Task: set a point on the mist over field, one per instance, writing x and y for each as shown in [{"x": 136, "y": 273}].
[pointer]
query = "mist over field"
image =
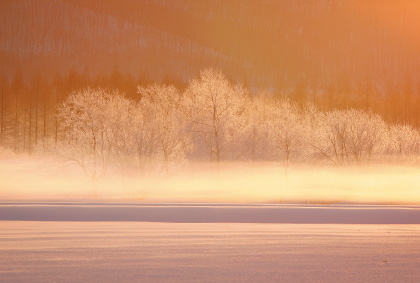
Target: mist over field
[
  {"x": 40, "y": 181},
  {"x": 209, "y": 141},
  {"x": 152, "y": 90}
]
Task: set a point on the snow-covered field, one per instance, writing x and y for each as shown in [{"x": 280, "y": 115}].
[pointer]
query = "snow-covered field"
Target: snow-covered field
[
  {"x": 65, "y": 250},
  {"x": 57, "y": 225}
]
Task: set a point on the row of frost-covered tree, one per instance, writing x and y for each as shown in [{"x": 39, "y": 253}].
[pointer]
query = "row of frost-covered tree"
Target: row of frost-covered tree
[
  {"x": 215, "y": 120},
  {"x": 28, "y": 109}
]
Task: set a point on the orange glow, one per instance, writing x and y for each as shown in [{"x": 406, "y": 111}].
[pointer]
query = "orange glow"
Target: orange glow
[{"x": 336, "y": 55}]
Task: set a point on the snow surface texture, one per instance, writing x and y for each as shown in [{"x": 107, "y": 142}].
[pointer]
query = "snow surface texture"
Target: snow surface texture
[{"x": 180, "y": 252}]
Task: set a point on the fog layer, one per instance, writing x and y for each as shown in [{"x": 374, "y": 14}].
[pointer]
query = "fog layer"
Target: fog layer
[{"x": 29, "y": 179}]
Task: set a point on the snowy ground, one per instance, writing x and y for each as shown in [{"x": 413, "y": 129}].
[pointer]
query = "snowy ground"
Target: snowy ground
[{"x": 137, "y": 251}]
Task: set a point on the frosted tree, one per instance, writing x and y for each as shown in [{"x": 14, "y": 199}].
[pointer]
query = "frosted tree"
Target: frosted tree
[
  {"x": 252, "y": 140},
  {"x": 404, "y": 142},
  {"x": 212, "y": 103},
  {"x": 343, "y": 136},
  {"x": 287, "y": 130},
  {"x": 86, "y": 116},
  {"x": 367, "y": 135},
  {"x": 119, "y": 126},
  {"x": 104, "y": 128},
  {"x": 141, "y": 145},
  {"x": 162, "y": 106}
]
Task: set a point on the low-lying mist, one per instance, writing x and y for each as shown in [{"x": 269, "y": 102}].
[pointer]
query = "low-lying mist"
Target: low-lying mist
[
  {"x": 33, "y": 179},
  {"x": 214, "y": 142}
]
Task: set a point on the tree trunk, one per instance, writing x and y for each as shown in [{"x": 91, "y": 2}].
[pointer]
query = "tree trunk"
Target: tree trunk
[
  {"x": 36, "y": 115},
  {"x": 16, "y": 128},
  {"x": 30, "y": 124},
  {"x": 2, "y": 114},
  {"x": 45, "y": 119},
  {"x": 56, "y": 115}
]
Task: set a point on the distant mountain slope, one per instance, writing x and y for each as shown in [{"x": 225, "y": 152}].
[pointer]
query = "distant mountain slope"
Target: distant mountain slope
[
  {"x": 62, "y": 35},
  {"x": 264, "y": 42}
]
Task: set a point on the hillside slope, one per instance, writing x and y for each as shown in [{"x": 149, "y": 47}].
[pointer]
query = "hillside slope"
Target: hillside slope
[{"x": 260, "y": 42}]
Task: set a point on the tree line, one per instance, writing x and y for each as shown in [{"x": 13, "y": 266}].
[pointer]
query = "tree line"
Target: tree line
[
  {"x": 213, "y": 120},
  {"x": 29, "y": 115}
]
